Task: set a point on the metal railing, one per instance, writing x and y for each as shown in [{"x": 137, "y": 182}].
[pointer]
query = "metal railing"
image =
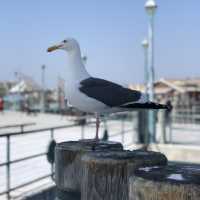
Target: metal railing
[
  {"x": 21, "y": 126},
  {"x": 121, "y": 131},
  {"x": 51, "y": 131},
  {"x": 181, "y": 126}
]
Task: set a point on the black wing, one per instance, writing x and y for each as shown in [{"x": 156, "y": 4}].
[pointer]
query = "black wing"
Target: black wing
[{"x": 109, "y": 93}]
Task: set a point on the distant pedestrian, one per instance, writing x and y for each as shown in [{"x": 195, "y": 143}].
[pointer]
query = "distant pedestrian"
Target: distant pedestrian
[
  {"x": 168, "y": 121},
  {"x": 1, "y": 105},
  {"x": 25, "y": 107},
  {"x": 168, "y": 113}
]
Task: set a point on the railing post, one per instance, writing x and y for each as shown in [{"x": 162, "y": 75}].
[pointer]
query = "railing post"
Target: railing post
[
  {"x": 82, "y": 131},
  {"x": 22, "y": 128},
  {"x": 52, "y": 134},
  {"x": 170, "y": 130},
  {"x": 8, "y": 166},
  {"x": 135, "y": 121},
  {"x": 163, "y": 125},
  {"x": 52, "y": 165},
  {"x": 122, "y": 129}
]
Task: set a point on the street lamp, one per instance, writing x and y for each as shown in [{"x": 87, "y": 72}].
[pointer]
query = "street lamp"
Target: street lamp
[
  {"x": 144, "y": 114},
  {"x": 151, "y": 7},
  {"x": 43, "y": 67},
  {"x": 145, "y": 45}
]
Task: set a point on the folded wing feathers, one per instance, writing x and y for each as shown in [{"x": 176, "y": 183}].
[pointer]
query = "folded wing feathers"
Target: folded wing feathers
[
  {"x": 115, "y": 95},
  {"x": 109, "y": 93}
]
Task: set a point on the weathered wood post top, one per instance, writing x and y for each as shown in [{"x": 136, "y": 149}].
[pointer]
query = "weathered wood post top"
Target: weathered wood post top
[
  {"x": 68, "y": 167},
  {"x": 172, "y": 182},
  {"x": 106, "y": 174}
]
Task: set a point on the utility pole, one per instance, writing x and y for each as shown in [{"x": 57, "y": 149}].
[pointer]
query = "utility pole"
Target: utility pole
[
  {"x": 145, "y": 45},
  {"x": 151, "y": 7},
  {"x": 144, "y": 127}
]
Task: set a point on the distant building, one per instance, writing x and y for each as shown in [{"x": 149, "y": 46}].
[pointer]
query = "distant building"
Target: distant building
[
  {"x": 25, "y": 86},
  {"x": 184, "y": 94},
  {"x": 5, "y": 86},
  {"x": 25, "y": 91}
]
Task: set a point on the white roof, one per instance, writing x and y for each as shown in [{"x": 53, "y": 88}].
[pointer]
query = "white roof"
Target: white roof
[{"x": 25, "y": 86}]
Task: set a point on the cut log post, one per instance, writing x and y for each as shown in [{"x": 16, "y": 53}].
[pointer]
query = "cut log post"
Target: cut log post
[
  {"x": 106, "y": 175},
  {"x": 174, "y": 182},
  {"x": 68, "y": 167}
]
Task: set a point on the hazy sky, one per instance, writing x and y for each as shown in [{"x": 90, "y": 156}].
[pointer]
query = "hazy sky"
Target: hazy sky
[{"x": 109, "y": 32}]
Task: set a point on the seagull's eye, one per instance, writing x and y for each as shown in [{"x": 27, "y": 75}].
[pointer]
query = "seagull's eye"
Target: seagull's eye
[{"x": 65, "y": 41}]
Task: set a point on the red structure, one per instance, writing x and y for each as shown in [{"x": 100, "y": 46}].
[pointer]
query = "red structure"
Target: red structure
[{"x": 1, "y": 104}]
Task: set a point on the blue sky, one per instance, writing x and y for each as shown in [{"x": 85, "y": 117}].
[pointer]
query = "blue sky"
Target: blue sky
[{"x": 109, "y": 33}]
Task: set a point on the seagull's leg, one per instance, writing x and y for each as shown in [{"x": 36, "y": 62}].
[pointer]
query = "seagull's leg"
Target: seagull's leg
[{"x": 97, "y": 127}]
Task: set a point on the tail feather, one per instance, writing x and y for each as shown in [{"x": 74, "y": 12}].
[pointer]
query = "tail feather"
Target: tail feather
[{"x": 148, "y": 105}]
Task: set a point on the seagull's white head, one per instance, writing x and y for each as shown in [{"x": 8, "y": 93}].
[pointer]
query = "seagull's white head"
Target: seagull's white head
[{"x": 68, "y": 44}]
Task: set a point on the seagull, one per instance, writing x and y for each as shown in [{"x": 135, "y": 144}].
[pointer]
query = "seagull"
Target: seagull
[{"x": 96, "y": 95}]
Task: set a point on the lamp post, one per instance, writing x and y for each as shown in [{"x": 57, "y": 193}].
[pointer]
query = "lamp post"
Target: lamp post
[
  {"x": 43, "y": 67},
  {"x": 145, "y": 45},
  {"x": 84, "y": 59},
  {"x": 144, "y": 129},
  {"x": 151, "y": 7}
]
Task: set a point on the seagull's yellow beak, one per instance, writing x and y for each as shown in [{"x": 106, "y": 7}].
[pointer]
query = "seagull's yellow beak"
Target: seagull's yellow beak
[{"x": 53, "y": 48}]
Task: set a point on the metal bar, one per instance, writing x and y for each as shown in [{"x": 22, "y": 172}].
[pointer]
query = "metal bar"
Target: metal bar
[
  {"x": 3, "y": 193},
  {"x": 37, "y": 130},
  {"x": 185, "y": 129},
  {"x": 28, "y": 183},
  {"x": 8, "y": 167},
  {"x": 16, "y": 125},
  {"x": 23, "y": 159},
  {"x": 119, "y": 133},
  {"x": 25, "y": 184},
  {"x": 43, "y": 130}
]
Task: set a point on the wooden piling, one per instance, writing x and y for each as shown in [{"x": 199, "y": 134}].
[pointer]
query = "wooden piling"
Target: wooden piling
[
  {"x": 68, "y": 166},
  {"x": 106, "y": 174},
  {"x": 173, "y": 182}
]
